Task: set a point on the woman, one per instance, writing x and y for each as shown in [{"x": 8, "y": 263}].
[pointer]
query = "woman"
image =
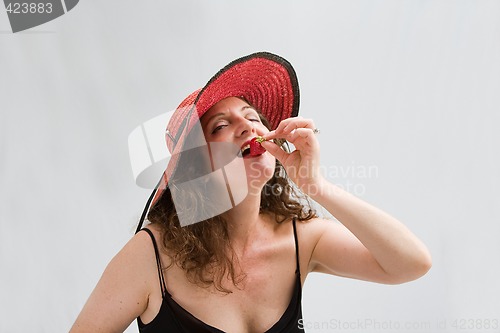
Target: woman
[{"x": 203, "y": 265}]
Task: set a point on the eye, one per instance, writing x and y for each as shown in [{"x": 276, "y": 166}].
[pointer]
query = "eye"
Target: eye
[
  {"x": 254, "y": 119},
  {"x": 218, "y": 128}
]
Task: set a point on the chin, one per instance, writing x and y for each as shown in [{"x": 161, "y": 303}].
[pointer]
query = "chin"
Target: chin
[
  {"x": 248, "y": 175},
  {"x": 260, "y": 169}
]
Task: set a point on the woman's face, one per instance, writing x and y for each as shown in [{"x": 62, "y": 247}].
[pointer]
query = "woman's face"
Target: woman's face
[{"x": 232, "y": 120}]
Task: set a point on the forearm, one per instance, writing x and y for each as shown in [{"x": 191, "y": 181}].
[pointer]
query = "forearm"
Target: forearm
[{"x": 395, "y": 248}]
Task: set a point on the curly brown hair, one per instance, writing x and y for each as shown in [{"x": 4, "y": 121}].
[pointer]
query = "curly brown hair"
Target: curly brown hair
[{"x": 203, "y": 249}]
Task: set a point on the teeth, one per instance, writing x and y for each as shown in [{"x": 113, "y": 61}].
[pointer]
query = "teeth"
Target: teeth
[{"x": 245, "y": 147}]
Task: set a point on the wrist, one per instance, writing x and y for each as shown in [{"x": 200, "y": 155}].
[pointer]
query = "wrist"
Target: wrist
[
  {"x": 324, "y": 191},
  {"x": 316, "y": 187}
]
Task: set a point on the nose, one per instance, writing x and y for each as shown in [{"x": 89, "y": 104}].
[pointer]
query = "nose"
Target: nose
[{"x": 244, "y": 127}]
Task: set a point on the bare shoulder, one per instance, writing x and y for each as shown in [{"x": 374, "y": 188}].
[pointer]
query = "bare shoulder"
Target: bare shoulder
[
  {"x": 142, "y": 245},
  {"x": 308, "y": 234},
  {"x": 122, "y": 293},
  {"x": 311, "y": 230},
  {"x": 133, "y": 265},
  {"x": 315, "y": 225},
  {"x": 139, "y": 249}
]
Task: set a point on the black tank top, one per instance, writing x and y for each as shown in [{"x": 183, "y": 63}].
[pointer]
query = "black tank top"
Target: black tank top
[{"x": 173, "y": 318}]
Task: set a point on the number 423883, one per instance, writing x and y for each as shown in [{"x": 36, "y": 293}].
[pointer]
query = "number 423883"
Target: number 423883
[{"x": 29, "y": 8}]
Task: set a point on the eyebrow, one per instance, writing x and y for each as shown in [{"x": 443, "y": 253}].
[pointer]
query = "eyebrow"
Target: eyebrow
[{"x": 223, "y": 113}]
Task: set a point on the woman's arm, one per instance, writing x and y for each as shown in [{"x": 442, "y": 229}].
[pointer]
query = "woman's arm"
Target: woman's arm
[
  {"x": 121, "y": 295},
  {"x": 370, "y": 244},
  {"x": 383, "y": 249}
]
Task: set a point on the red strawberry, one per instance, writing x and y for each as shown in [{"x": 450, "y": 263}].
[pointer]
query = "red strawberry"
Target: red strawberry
[{"x": 256, "y": 148}]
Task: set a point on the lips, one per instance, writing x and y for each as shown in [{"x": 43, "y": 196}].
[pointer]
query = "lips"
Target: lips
[{"x": 245, "y": 148}]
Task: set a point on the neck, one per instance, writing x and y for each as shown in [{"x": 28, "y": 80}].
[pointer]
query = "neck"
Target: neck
[{"x": 243, "y": 222}]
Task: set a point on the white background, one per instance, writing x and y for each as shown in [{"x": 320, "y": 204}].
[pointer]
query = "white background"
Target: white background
[{"x": 409, "y": 88}]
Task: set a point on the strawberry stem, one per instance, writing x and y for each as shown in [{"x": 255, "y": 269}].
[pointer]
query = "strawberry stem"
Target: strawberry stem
[{"x": 259, "y": 139}]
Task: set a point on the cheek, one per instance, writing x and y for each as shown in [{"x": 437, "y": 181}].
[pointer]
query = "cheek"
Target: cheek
[{"x": 221, "y": 136}]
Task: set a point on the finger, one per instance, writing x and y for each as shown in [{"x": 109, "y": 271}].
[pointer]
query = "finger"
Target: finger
[
  {"x": 295, "y": 124},
  {"x": 302, "y": 137},
  {"x": 304, "y": 133},
  {"x": 275, "y": 150},
  {"x": 270, "y": 135},
  {"x": 288, "y": 125},
  {"x": 282, "y": 125}
]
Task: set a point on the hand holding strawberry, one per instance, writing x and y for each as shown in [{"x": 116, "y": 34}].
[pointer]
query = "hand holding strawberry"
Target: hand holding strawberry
[{"x": 302, "y": 164}]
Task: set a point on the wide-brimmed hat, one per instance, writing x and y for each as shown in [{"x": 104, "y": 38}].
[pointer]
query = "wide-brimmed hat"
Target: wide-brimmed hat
[{"x": 265, "y": 80}]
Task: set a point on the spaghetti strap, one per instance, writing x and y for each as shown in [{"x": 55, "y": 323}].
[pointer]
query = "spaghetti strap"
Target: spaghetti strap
[
  {"x": 163, "y": 286},
  {"x": 296, "y": 246}
]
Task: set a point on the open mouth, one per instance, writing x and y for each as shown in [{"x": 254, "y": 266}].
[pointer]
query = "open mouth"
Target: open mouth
[{"x": 245, "y": 150}]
